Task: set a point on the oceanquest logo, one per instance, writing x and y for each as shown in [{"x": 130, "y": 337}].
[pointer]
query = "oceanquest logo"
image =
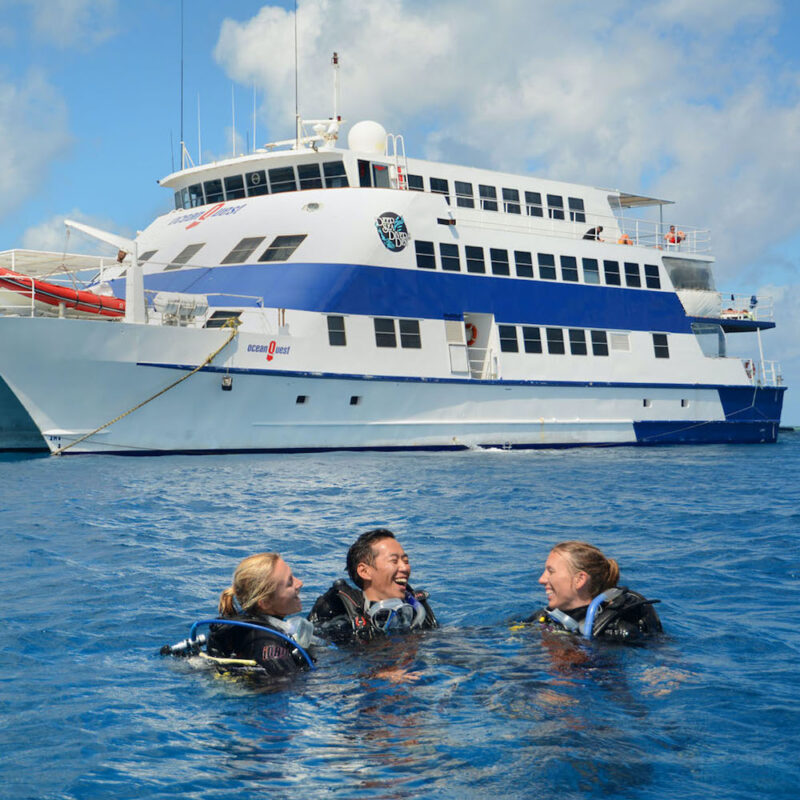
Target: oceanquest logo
[{"x": 392, "y": 230}]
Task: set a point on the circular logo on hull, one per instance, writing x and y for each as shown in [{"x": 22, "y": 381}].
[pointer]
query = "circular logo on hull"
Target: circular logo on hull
[{"x": 392, "y": 230}]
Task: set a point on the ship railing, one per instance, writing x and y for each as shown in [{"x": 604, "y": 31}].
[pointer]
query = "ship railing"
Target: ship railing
[
  {"x": 524, "y": 218},
  {"x": 759, "y": 308},
  {"x": 766, "y": 373}
]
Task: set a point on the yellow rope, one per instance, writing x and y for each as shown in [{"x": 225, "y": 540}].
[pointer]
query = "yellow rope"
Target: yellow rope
[{"x": 208, "y": 360}]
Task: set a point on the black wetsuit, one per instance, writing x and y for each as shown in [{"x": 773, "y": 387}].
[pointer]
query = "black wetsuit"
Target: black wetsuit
[
  {"x": 274, "y": 655},
  {"x": 340, "y": 614},
  {"x": 625, "y": 617}
]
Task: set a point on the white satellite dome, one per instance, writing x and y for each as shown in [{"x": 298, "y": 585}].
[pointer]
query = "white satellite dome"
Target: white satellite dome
[{"x": 367, "y": 137}]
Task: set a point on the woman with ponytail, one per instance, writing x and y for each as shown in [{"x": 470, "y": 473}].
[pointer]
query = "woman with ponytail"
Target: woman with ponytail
[{"x": 575, "y": 575}]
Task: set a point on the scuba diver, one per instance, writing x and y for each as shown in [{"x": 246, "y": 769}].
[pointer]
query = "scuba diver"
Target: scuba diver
[
  {"x": 383, "y": 602},
  {"x": 583, "y": 597},
  {"x": 252, "y": 635}
]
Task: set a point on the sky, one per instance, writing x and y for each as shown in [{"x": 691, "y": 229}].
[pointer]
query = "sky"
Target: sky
[{"x": 695, "y": 101}]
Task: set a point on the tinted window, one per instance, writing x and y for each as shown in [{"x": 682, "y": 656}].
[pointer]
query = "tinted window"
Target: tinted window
[
  {"x": 475, "y": 261},
  {"x": 426, "y": 258},
  {"x": 147, "y": 256},
  {"x": 555, "y": 341},
  {"x": 576, "y": 210},
  {"x": 577, "y": 342},
  {"x": 380, "y": 176},
  {"x": 243, "y": 250},
  {"x": 335, "y": 176},
  {"x": 336, "y": 333},
  {"x": 309, "y": 176},
  {"x": 282, "y": 248},
  {"x": 508, "y": 338},
  {"x": 599, "y": 343},
  {"x": 533, "y": 204},
  {"x": 532, "y": 339},
  {"x": 409, "y": 334},
  {"x": 415, "y": 183},
  {"x": 450, "y": 259},
  {"x": 511, "y": 201},
  {"x": 651, "y": 276},
  {"x": 384, "y": 333},
  {"x": 555, "y": 206},
  {"x": 213, "y": 191},
  {"x": 569, "y": 268},
  {"x": 660, "y": 345},
  {"x": 281, "y": 179},
  {"x": 591, "y": 270},
  {"x": 524, "y": 264},
  {"x": 440, "y": 186},
  {"x": 499, "y": 259},
  {"x": 547, "y": 266},
  {"x": 464, "y": 196},
  {"x": 488, "y": 197},
  {"x": 234, "y": 187},
  {"x": 611, "y": 269},
  {"x": 184, "y": 256},
  {"x": 256, "y": 183},
  {"x": 632, "y": 276},
  {"x": 195, "y": 195}
]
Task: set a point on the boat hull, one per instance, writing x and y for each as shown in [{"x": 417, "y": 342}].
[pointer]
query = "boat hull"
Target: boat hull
[{"x": 73, "y": 376}]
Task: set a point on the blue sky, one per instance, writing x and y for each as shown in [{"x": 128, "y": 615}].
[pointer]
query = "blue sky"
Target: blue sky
[{"x": 697, "y": 101}]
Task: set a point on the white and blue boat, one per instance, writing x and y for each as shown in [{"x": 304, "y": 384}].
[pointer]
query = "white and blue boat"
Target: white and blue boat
[{"x": 311, "y": 297}]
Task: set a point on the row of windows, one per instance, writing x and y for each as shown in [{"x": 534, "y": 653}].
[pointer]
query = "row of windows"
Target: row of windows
[
  {"x": 511, "y": 200},
  {"x": 500, "y": 263},
  {"x": 386, "y": 332},
  {"x": 273, "y": 181},
  {"x": 556, "y": 340}
]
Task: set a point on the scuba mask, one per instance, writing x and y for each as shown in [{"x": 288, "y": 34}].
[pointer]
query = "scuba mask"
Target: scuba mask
[{"x": 395, "y": 614}]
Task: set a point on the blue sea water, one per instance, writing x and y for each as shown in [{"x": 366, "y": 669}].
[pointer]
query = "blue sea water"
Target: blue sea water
[{"x": 105, "y": 559}]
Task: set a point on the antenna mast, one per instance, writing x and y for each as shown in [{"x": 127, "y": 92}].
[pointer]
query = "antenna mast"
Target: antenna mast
[
  {"x": 183, "y": 146},
  {"x": 296, "y": 101},
  {"x": 335, "y": 62}
]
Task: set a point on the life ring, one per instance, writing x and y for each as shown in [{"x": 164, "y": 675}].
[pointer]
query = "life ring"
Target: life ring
[{"x": 473, "y": 333}]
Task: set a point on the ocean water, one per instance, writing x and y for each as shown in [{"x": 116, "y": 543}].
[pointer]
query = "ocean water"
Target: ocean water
[{"x": 105, "y": 559}]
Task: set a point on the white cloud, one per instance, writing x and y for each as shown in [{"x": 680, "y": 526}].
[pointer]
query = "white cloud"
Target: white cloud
[
  {"x": 52, "y": 235},
  {"x": 33, "y": 130},
  {"x": 69, "y": 23}
]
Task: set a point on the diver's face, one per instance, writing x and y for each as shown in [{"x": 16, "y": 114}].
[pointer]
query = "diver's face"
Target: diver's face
[
  {"x": 388, "y": 575},
  {"x": 562, "y": 584},
  {"x": 285, "y": 599}
]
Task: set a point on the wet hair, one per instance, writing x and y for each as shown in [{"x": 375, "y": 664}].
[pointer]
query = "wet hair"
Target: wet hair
[
  {"x": 361, "y": 552},
  {"x": 253, "y": 581},
  {"x": 603, "y": 572}
]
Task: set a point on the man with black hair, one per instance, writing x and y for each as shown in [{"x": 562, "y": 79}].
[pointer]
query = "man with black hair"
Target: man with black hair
[{"x": 383, "y": 602}]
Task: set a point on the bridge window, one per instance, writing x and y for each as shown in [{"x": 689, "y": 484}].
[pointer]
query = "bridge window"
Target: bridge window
[
  {"x": 415, "y": 183},
  {"x": 547, "y": 267},
  {"x": 533, "y": 204},
  {"x": 336, "y": 333},
  {"x": 488, "y": 195},
  {"x": 335, "y": 175},
  {"x": 256, "y": 183},
  {"x": 281, "y": 179},
  {"x": 440, "y": 186},
  {"x": 450, "y": 259},
  {"x": 282, "y": 248},
  {"x": 555, "y": 206},
  {"x": 309, "y": 176},
  {"x": 380, "y": 176},
  {"x": 511, "y": 201},
  {"x": 234, "y": 187},
  {"x": 532, "y": 339},
  {"x": 409, "y": 334},
  {"x": 499, "y": 259},
  {"x": 213, "y": 191},
  {"x": 243, "y": 250},
  {"x": 651, "y": 276},
  {"x": 508, "y": 338},
  {"x": 426, "y": 259},
  {"x": 464, "y": 196},
  {"x": 475, "y": 262},
  {"x": 184, "y": 256},
  {"x": 576, "y": 210},
  {"x": 195, "y": 195}
]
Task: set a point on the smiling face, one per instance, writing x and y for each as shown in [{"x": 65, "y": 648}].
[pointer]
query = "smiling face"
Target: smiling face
[
  {"x": 565, "y": 588},
  {"x": 388, "y": 575},
  {"x": 285, "y": 599}
]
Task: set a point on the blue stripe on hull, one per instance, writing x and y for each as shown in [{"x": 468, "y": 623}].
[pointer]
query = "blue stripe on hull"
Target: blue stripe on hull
[
  {"x": 423, "y": 294},
  {"x": 710, "y": 432}
]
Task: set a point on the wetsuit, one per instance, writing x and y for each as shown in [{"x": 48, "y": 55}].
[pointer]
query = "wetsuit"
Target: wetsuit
[
  {"x": 274, "y": 655},
  {"x": 340, "y": 614},
  {"x": 627, "y": 616}
]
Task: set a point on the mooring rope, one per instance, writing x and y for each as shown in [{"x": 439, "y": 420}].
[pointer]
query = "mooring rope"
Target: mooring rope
[{"x": 209, "y": 359}]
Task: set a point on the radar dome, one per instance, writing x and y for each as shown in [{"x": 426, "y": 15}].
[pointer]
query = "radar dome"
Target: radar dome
[{"x": 367, "y": 137}]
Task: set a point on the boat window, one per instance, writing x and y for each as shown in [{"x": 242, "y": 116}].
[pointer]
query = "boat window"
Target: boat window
[
  {"x": 499, "y": 259},
  {"x": 256, "y": 183},
  {"x": 711, "y": 339},
  {"x": 533, "y": 204},
  {"x": 234, "y": 187},
  {"x": 569, "y": 268},
  {"x": 426, "y": 258},
  {"x": 660, "y": 345},
  {"x": 309, "y": 176},
  {"x": 336, "y": 333},
  {"x": 415, "y": 183},
  {"x": 524, "y": 264},
  {"x": 547, "y": 267},
  {"x": 555, "y": 341},
  {"x": 147, "y": 256},
  {"x": 281, "y": 179},
  {"x": 508, "y": 338},
  {"x": 195, "y": 196},
  {"x": 282, "y": 248},
  {"x": 364, "y": 177},
  {"x": 577, "y": 341},
  {"x": 384, "y": 332},
  {"x": 464, "y": 196},
  {"x": 440, "y": 186},
  {"x": 184, "y": 256},
  {"x": 182, "y": 199},
  {"x": 651, "y": 276},
  {"x": 591, "y": 270},
  {"x": 611, "y": 270},
  {"x": 335, "y": 175},
  {"x": 409, "y": 334},
  {"x": 380, "y": 176},
  {"x": 532, "y": 339},
  {"x": 632, "y": 275},
  {"x": 599, "y": 343},
  {"x": 475, "y": 262},
  {"x": 511, "y": 201},
  {"x": 243, "y": 250},
  {"x": 449, "y": 256},
  {"x": 686, "y": 274},
  {"x": 213, "y": 191},
  {"x": 555, "y": 206},
  {"x": 621, "y": 341},
  {"x": 488, "y": 195},
  {"x": 220, "y": 318},
  {"x": 576, "y": 209}
]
